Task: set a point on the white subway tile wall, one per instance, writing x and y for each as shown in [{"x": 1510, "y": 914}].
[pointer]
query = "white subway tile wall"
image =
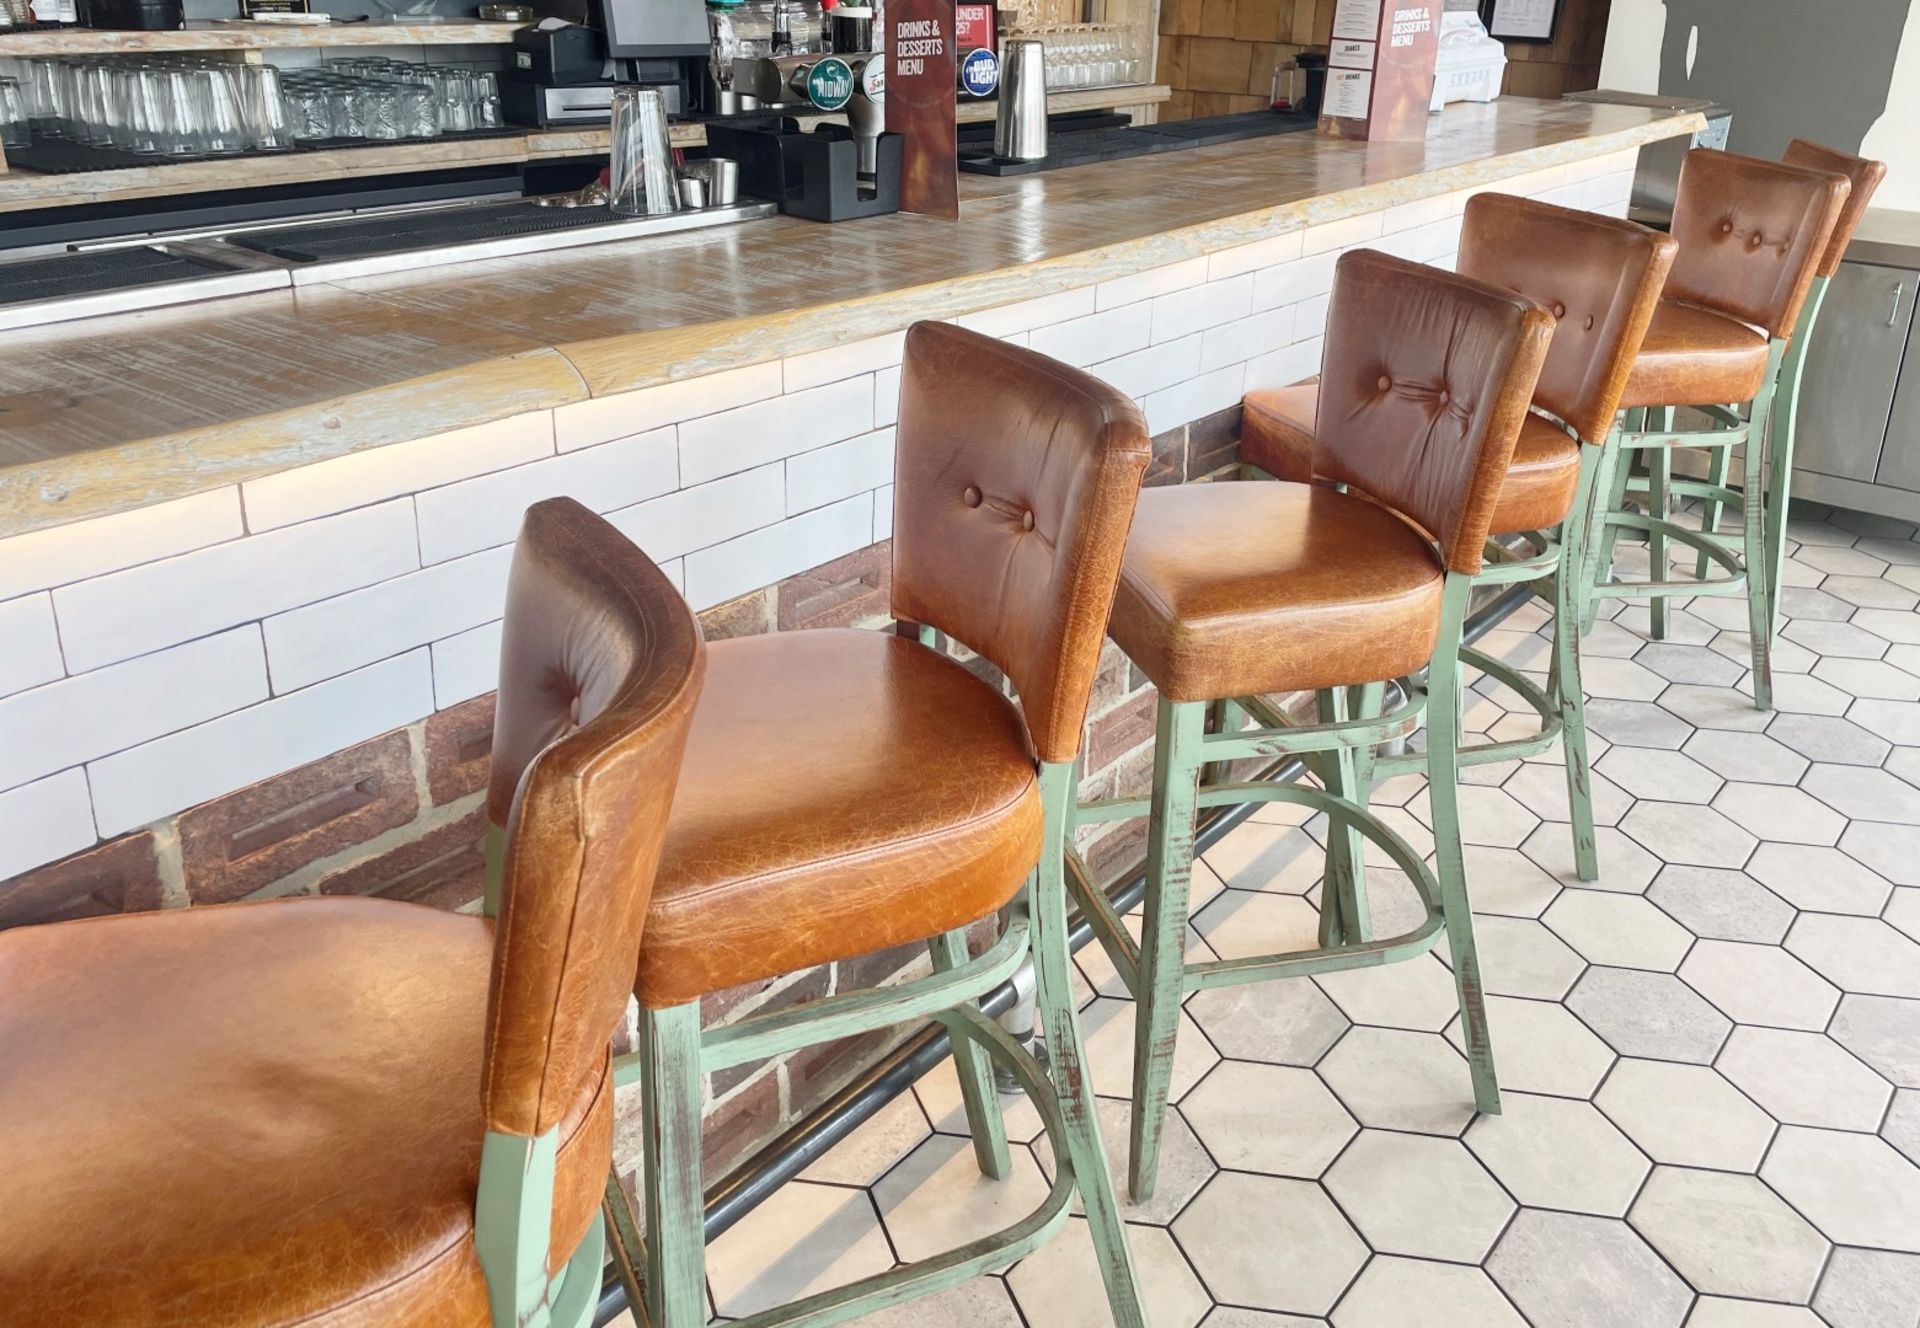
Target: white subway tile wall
[{"x": 193, "y": 647}]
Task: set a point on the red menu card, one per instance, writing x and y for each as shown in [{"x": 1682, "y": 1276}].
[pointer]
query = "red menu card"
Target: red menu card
[{"x": 1380, "y": 69}]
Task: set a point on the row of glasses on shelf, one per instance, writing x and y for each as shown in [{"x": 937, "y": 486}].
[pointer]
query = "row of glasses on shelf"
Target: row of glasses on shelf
[
  {"x": 180, "y": 106},
  {"x": 1089, "y": 55}
]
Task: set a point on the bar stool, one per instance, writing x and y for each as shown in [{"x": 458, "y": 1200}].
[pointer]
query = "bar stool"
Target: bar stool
[
  {"x": 1232, "y": 592},
  {"x": 354, "y": 1112},
  {"x": 848, "y": 791},
  {"x": 1752, "y": 236},
  {"x": 1863, "y": 178},
  {"x": 1602, "y": 279}
]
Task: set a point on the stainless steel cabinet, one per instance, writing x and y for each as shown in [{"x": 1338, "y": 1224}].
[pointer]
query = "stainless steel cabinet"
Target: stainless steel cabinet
[
  {"x": 1852, "y": 374},
  {"x": 1900, "y": 458}
]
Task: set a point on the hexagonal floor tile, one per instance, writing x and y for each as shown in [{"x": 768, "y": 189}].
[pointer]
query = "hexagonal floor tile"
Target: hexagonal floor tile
[
  {"x": 1059, "y": 1283},
  {"x": 1620, "y": 931},
  {"x": 1448, "y": 1296},
  {"x": 1107, "y": 1026},
  {"x": 1553, "y": 1152},
  {"x": 1884, "y": 1032},
  {"x": 1184, "y": 1164},
  {"x": 1488, "y": 816},
  {"x": 1856, "y": 1188},
  {"x": 1417, "y": 993},
  {"x": 1729, "y": 1235},
  {"x": 1717, "y": 903},
  {"x": 1637, "y": 724},
  {"x": 1538, "y": 1047},
  {"x": 1903, "y": 911},
  {"x": 980, "y": 1302},
  {"x": 1862, "y": 794},
  {"x": 1258, "y": 856},
  {"x": 1507, "y": 882},
  {"x": 1804, "y": 1079},
  {"x": 1717, "y": 707},
  {"x": 1780, "y": 815},
  {"x": 1831, "y": 739},
  {"x": 1390, "y": 1078},
  {"x": 1685, "y": 1115},
  {"x": 875, "y": 1145},
  {"x": 1621, "y": 679},
  {"x": 1654, "y": 1015},
  {"x": 1870, "y": 592},
  {"x": 1896, "y": 721},
  {"x": 1902, "y": 1125},
  {"x": 1802, "y": 694},
  {"x": 804, "y": 1238},
  {"x": 1861, "y": 955},
  {"x": 1688, "y": 664},
  {"x": 1869, "y": 1289},
  {"x": 1289, "y": 1022},
  {"x": 1695, "y": 836},
  {"x": 1825, "y": 880},
  {"x": 939, "y": 1093},
  {"x": 1322, "y": 1251},
  {"x": 1760, "y": 984},
  {"x": 1624, "y": 865},
  {"x": 1754, "y": 757},
  {"x": 1520, "y": 957},
  {"x": 1869, "y": 677},
  {"x": 1661, "y": 774},
  {"x": 936, "y": 1199},
  {"x": 1394, "y": 1186},
  {"x": 1563, "y": 1268},
  {"x": 1835, "y": 637},
  {"x": 1276, "y": 1119},
  {"x": 1241, "y": 923},
  {"x": 1841, "y": 561},
  {"x": 1542, "y": 790},
  {"x": 1718, "y": 1312},
  {"x": 1893, "y": 851}
]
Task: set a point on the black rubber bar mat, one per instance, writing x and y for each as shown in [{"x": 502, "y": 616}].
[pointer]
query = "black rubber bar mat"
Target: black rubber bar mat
[
  {"x": 1073, "y": 149},
  {"x": 62, "y": 156},
  {"x": 1234, "y": 128},
  {"x": 405, "y": 232},
  {"x": 68, "y": 275}
]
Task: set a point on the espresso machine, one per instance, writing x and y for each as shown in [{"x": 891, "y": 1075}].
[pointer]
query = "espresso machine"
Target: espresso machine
[{"x": 567, "y": 64}]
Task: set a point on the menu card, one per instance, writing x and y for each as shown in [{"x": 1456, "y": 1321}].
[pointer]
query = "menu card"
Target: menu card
[
  {"x": 920, "y": 104},
  {"x": 1380, "y": 69}
]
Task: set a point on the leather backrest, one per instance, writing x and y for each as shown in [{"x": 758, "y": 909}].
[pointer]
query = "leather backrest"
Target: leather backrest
[
  {"x": 1600, "y": 277},
  {"x": 1014, "y": 487},
  {"x": 1424, "y": 383},
  {"x": 600, "y": 664},
  {"x": 1863, "y": 176},
  {"x": 1751, "y": 234}
]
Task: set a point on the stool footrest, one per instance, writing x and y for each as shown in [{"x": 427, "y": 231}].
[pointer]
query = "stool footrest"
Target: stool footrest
[
  {"x": 1707, "y": 545},
  {"x": 986, "y": 1254}
]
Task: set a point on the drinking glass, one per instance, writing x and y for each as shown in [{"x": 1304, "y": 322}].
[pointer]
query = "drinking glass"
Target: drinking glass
[
  {"x": 310, "y": 111},
  {"x": 348, "y": 110},
  {"x": 265, "y": 104},
  {"x": 418, "y": 118},
  {"x": 456, "y": 101},
  {"x": 13, "y": 114},
  {"x": 216, "y": 98},
  {"x": 640, "y": 166},
  {"x": 382, "y": 102}
]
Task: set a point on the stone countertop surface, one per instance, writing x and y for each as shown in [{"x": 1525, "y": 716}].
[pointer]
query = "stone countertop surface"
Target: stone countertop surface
[
  {"x": 114, "y": 413},
  {"x": 1889, "y": 236}
]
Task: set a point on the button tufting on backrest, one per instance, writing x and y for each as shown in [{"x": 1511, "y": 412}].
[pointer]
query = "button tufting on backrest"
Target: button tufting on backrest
[
  {"x": 1601, "y": 276},
  {"x": 970, "y": 496}
]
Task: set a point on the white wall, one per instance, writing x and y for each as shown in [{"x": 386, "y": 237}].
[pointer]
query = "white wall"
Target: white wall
[
  {"x": 1895, "y": 138},
  {"x": 1631, "y": 60}
]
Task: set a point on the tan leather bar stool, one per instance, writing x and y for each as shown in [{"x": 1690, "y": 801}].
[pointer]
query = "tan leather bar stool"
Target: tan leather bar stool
[
  {"x": 1601, "y": 278},
  {"x": 1235, "y": 592},
  {"x": 1752, "y": 236},
  {"x": 848, "y": 791},
  {"x": 358, "y": 1112}
]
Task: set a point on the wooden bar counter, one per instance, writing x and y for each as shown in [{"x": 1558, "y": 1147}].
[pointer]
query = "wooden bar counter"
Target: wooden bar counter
[{"x": 115, "y": 413}]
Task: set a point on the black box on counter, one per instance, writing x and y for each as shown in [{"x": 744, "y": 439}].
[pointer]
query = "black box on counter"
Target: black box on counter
[{"x": 813, "y": 175}]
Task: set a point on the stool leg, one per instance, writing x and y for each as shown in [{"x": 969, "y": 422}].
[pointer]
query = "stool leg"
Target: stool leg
[
  {"x": 970, "y": 1062},
  {"x": 1718, "y": 463},
  {"x": 1177, "y": 741},
  {"x": 1784, "y": 415},
  {"x": 1053, "y": 990},
  {"x": 1659, "y": 489},
  {"x": 670, "y": 1131},
  {"x": 1348, "y": 773},
  {"x": 1616, "y": 463},
  {"x": 1762, "y": 592},
  {"x": 1566, "y": 688},
  {"x": 1443, "y": 773}
]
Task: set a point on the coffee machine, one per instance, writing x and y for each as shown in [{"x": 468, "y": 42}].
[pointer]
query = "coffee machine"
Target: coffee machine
[{"x": 567, "y": 64}]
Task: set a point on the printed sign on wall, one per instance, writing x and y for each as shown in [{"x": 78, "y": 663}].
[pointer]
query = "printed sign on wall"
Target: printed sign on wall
[
  {"x": 920, "y": 104},
  {"x": 1380, "y": 69}
]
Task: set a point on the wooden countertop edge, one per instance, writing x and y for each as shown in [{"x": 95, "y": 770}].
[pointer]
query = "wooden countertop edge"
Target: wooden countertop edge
[
  {"x": 41, "y": 494},
  {"x": 632, "y": 361},
  {"x": 38, "y": 495}
]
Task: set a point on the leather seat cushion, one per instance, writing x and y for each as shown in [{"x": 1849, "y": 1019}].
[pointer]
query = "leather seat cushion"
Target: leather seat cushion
[
  {"x": 843, "y": 791},
  {"x": 1241, "y": 589},
  {"x": 1694, "y": 356},
  {"x": 1276, "y": 434},
  {"x": 251, "y": 1114}
]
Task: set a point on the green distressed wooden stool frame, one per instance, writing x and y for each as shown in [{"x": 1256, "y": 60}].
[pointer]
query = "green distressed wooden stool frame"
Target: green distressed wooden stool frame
[
  {"x": 1750, "y": 562},
  {"x": 664, "y": 1266},
  {"x": 513, "y": 1215},
  {"x": 1342, "y": 748}
]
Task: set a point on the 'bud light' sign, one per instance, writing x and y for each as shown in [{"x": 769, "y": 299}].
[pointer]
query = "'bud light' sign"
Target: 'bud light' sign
[{"x": 980, "y": 72}]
